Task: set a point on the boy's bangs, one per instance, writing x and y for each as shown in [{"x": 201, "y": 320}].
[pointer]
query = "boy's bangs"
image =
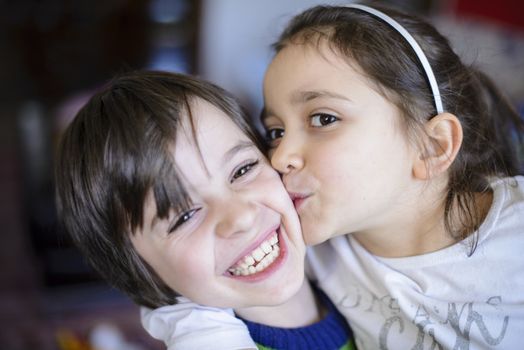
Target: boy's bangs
[{"x": 170, "y": 192}]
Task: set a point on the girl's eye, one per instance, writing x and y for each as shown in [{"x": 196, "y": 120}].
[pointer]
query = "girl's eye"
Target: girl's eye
[
  {"x": 275, "y": 133},
  {"x": 182, "y": 219},
  {"x": 243, "y": 170},
  {"x": 322, "y": 119}
]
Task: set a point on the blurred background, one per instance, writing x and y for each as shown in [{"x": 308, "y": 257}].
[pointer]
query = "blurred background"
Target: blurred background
[{"x": 55, "y": 53}]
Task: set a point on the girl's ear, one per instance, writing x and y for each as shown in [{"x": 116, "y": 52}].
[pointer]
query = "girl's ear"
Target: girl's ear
[{"x": 444, "y": 138}]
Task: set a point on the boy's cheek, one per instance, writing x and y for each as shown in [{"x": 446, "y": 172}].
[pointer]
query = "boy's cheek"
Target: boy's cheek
[
  {"x": 273, "y": 194},
  {"x": 270, "y": 177}
]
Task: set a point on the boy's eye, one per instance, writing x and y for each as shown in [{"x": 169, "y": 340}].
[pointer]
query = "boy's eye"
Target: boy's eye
[
  {"x": 322, "y": 119},
  {"x": 275, "y": 133},
  {"x": 244, "y": 169},
  {"x": 182, "y": 219}
]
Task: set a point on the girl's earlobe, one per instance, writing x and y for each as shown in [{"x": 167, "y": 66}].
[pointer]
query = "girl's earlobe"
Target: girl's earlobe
[{"x": 443, "y": 141}]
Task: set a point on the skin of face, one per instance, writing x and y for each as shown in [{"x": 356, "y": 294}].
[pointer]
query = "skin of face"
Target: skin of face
[
  {"x": 341, "y": 150},
  {"x": 239, "y": 202}
]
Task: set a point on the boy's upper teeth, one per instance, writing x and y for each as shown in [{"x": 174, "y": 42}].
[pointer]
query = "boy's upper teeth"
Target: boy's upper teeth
[{"x": 260, "y": 258}]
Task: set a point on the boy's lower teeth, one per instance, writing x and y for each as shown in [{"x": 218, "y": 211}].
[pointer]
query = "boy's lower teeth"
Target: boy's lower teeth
[{"x": 259, "y": 259}]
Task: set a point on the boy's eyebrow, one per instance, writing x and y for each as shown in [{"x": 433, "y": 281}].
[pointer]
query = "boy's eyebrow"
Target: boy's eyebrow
[{"x": 235, "y": 149}]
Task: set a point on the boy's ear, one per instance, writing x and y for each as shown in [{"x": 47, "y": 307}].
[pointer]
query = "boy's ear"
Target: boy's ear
[{"x": 443, "y": 141}]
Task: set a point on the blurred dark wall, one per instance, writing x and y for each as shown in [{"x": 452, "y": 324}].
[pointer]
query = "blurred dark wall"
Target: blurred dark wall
[{"x": 52, "y": 48}]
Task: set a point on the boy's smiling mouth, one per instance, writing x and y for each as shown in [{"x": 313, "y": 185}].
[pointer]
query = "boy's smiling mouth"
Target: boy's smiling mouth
[{"x": 259, "y": 259}]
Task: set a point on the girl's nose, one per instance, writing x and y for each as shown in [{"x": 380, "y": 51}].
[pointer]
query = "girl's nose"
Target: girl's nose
[
  {"x": 287, "y": 157},
  {"x": 236, "y": 216}
]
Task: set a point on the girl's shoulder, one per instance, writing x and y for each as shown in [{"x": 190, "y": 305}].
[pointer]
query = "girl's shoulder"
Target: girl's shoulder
[
  {"x": 504, "y": 219},
  {"x": 508, "y": 193},
  {"x": 515, "y": 181}
]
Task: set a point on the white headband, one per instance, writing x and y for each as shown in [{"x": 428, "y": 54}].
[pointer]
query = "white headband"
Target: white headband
[{"x": 420, "y": 54}]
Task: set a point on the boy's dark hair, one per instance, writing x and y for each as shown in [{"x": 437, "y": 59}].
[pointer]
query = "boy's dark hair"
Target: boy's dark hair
[
  {"x": 118, "y": 149},
  {"x": 491, "y": 126}
]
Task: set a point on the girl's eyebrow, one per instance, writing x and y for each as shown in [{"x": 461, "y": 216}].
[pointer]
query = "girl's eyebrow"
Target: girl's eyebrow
[
  {"x": 305, "y": 96},
  {"x": 300, "y": 97},
  {"x": 240, "y": 146},
  {"x": 265, "y": 113}
]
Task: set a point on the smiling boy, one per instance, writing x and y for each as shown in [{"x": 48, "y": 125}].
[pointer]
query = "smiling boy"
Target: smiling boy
[{"x": 165, "y": 188}]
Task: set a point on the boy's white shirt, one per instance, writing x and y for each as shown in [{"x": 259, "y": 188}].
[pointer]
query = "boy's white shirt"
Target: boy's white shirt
[
  {"x": 218, "y": 329},
  {"x": 441, "y": 299}
]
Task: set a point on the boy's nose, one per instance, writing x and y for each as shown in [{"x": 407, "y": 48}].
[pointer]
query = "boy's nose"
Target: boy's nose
[
  {"x": 237, "y": 216},
  {"x": 286, "y": 156}
]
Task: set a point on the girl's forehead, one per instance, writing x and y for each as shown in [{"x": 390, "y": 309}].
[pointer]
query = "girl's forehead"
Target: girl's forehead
[
  {"x": 300, "y": 73},
  {"x": 309, "y": 64}
]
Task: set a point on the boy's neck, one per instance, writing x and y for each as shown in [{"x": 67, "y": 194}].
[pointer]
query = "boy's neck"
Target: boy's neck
[{"x": 299, "y": 311}]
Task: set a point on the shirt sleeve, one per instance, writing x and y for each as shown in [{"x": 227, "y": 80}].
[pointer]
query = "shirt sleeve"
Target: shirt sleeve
[{"x": 189, "y": 326}]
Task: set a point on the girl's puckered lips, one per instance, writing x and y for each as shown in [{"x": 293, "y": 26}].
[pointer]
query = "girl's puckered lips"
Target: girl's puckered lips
[{"x": 298, "y": 199}]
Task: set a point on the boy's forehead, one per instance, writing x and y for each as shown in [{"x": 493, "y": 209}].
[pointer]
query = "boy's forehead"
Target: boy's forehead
[
  {"x": 203, "y": 117},
  {"x": 207, "y": 140},
  {"x": 212, "y": 140},
  {"x": 201, "y": 124}
]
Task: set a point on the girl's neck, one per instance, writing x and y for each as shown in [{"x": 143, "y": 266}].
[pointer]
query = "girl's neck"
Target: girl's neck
[
  {"x": 409, "y": 239},
  {"x": 299, "y": 311},
  {"x": 419, "y": 232}
]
